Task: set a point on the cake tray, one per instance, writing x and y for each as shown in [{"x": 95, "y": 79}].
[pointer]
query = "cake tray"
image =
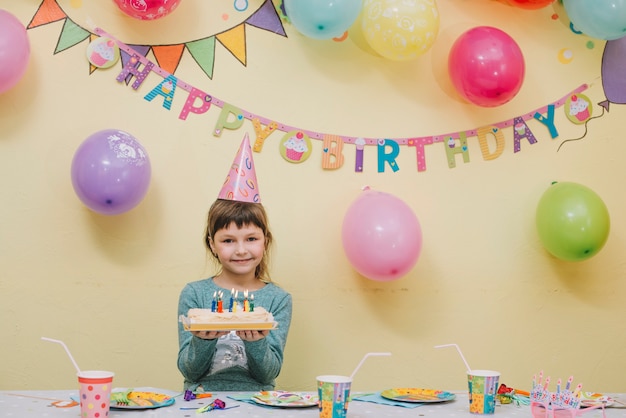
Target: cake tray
[{"x": 190, "y": 325}]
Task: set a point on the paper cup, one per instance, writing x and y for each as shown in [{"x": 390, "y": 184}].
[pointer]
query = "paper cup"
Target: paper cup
[
  {"x": 95, "y": 393},
  {"x": 483, "y": 386},
  {"x": 334, "y": 393}
]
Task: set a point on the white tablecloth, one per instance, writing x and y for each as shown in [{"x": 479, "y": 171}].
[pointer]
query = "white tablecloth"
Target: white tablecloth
[{"x": 26, "y": 404}]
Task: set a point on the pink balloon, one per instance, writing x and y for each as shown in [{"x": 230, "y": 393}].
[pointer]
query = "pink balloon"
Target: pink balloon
[
  {"x": 111, "y": 172},
  {"x": 14, "y": 50},
  {"x": 486, "y": 66},
  {"x": 147, "y": 9},
  {"x": 381, "y": 236}
]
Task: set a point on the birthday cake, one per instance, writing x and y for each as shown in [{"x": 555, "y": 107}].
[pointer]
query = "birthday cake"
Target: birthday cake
[{"x": 209, "y": 320}]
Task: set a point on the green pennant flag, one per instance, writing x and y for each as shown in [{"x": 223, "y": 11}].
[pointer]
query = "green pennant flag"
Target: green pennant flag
[
  {"x": 71, "y": 34},
  {"x": 203, "y": 52}
]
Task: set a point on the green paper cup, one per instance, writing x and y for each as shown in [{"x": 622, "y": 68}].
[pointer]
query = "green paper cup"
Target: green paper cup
[
  {"x": 334, "y": 393},
  {"x": 483, "y": 386}
]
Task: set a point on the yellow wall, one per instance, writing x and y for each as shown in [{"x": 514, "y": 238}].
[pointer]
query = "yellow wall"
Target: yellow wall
[{"x": 108, "y": 285}]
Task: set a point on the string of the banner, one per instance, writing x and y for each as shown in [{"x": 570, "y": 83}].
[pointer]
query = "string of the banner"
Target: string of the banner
[
  {"x": 317, "y": 135},
  {"x": 584, "y": 134}
]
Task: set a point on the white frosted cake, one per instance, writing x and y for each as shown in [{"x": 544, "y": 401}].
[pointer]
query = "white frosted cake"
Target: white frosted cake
[{"x": 206, "y": 320}]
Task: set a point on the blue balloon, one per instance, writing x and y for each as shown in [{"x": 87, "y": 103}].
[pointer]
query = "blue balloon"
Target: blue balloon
[
  {"x": 322, "y": 19},
  {"x": 605, "y": 19}
]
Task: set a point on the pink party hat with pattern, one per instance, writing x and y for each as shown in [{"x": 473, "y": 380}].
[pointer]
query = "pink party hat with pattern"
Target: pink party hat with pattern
[{"x": 241, "y": 184}]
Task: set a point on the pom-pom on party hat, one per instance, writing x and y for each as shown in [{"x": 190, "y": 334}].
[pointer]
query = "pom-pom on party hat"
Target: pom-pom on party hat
[{"x": 241, "y": 184}]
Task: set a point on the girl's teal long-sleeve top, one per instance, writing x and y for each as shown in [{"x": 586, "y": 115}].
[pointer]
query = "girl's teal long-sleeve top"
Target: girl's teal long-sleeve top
[{"x": 264, "y": 357}]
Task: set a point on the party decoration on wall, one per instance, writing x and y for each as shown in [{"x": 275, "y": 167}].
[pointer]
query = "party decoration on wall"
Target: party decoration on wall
[
  {"x": 400, "y": 30},
  {"x": 14, "y": 51},
  {"x": 103, "y": 52},
  {"x": 147, "y": 9},
  {"x": 203, "y": 50},
  {"x": 138, "y": 68},
  {"x": 602, "y": 20},
  {"x": 295, "y": 147},
  {"x": 486, "y": 66},
  {"x": 572, "y": 221},
  {"x": 111, "y": 172},
  {"x": 322, "y": 19},
  {"x": 381, "y": 236},
  {"x": 528, "y": 4},
  {"x": 613, "y": 66}
]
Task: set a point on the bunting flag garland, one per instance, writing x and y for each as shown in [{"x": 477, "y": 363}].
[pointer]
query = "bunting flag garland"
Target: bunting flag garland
[
  {"x": 295, "y": 145},
  {"x": 167, "y": 56}
]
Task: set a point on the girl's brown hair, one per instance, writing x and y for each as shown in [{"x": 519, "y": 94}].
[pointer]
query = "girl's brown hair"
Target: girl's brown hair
[{"x": 224, "y": 212}]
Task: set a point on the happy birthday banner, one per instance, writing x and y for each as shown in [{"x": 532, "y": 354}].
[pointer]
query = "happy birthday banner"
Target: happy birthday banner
[{"x": 295, "y": 145}]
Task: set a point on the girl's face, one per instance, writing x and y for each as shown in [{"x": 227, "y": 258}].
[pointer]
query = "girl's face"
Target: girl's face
[{"x": 239, "y": 250}]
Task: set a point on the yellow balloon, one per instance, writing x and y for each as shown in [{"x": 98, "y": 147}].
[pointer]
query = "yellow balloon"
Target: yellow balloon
[{"x": 400, "y": 30}]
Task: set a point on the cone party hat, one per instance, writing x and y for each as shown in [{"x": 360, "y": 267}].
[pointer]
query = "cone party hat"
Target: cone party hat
[{"x": 241, "y": 184}]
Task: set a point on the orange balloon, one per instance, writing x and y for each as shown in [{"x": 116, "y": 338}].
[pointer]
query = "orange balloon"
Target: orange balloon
[{"x": 528, "y": 4}]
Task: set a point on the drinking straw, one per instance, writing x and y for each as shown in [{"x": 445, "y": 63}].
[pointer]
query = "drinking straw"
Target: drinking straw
[
  {"x": 363, "y": 359},
  {"x": 66, "y": 350},
  {"x": 469, "y": 369}
]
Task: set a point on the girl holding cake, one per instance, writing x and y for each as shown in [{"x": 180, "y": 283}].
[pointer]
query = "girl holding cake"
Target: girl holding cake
[{"x": 238, "y": 237}]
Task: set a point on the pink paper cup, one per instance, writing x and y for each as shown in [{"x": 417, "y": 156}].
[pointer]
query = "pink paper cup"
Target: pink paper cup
[
  {"x": 483, "y": 386},
  {"x": 95, "y": 393},
  {"x": 334, "y": 394}
]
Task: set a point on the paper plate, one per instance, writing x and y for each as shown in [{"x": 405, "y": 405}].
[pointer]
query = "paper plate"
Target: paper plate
[
  {"x": 285, "y": 399},
  {"x": 417, "y": 395},
  {"x": 588, "y": 399},
  {"x": 143, "y": 400}
]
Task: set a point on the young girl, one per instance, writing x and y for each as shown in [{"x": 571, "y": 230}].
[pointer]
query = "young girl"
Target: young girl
[{"x": 237, "y": 235}]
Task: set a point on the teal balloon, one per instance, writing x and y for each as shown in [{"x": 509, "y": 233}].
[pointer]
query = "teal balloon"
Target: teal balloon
[
  {"x": 322, "y": 19},
  {"x": 600, "y": 19},
  {"x": 572, "y": 220}
]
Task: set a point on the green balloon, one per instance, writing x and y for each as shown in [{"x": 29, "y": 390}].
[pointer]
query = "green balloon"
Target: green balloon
[{"x": 573, "y": 221}]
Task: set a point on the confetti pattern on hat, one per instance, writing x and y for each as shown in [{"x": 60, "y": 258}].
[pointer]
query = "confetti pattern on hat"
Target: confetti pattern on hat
[{"x": 241, "y": 184}]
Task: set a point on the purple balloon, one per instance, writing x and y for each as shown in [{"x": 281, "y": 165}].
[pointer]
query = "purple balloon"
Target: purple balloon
[
  {"x": 613, "y": 67},
  {"x": 111, "y": 172}
]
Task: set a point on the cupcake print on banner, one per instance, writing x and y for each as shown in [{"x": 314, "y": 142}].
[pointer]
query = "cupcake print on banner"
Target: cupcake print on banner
[
  {"x": 103, "y": 52},
  {"x": 578, "y": 108},
  {"x": 295, "y": 146}
]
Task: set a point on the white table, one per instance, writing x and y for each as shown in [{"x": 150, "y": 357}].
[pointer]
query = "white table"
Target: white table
[{"x": 26, "y": 404}]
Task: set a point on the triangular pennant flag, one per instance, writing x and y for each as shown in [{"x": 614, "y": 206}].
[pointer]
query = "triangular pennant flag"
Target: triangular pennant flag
[
  {"x": 234, "y": 40},
  {"x": 241, "y": 183},
  {"x": 48, "y": 12},
  {"x": 203, "y": 52},
  {"x": 267, "y": 18},
  {"x": 168, "y": 56},
  {"x": 92, "y": 68},
  {"x": 71, "y": 34}
]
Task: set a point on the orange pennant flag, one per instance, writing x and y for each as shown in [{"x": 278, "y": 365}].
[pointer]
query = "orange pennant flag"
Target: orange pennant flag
[
  {"x": 168, "y": 56},
  {"x": 48, "y": 12}
]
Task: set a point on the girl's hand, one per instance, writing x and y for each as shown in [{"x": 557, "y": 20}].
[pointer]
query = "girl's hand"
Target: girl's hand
[
  {"x": 252, "y": 335},
  {"x": 209, "y": 335}
]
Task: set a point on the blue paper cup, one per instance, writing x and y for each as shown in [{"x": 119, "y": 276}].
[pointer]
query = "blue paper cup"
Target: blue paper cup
[{"x": 483, "y": 386}]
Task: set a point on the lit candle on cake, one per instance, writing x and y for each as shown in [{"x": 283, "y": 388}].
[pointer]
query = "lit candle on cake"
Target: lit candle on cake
[
  {"x": 213, "y": 306},
  {"x": 252, "y": 303},
  {"x": 246, "y": 303},
  {"x": 232, "y": 293},
  {"x": 220, "y": 306},
  {"x": 235, "y": 302}
]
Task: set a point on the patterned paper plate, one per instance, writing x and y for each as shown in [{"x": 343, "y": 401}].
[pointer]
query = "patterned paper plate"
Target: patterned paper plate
[
  {"x": 285, "y": 399},
  {"x": 588, "y": 399},
  {"x": 142, "y": 400},
  {"x": 417, "y": 395}
]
